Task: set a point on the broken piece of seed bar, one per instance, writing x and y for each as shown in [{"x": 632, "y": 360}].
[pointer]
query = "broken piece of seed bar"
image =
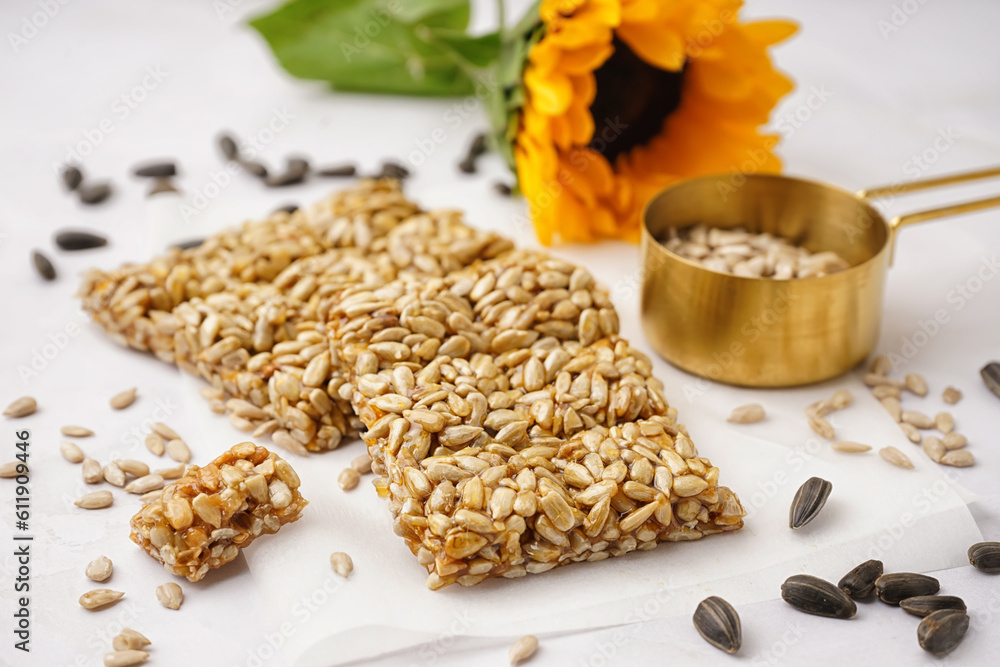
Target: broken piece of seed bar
[{"x": 203, "y": 519}]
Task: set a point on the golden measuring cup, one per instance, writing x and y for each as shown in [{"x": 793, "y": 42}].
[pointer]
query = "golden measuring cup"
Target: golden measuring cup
[{"x": 761, "y": 332}]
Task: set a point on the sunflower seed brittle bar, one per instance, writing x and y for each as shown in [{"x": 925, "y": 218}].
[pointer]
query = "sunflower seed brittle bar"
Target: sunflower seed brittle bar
[
  {"x": 203, "y": 519},
  {"x": 519, "y": 440}
]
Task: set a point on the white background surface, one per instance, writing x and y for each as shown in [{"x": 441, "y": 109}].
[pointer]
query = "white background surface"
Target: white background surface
[{"x": 885, "y": 98}]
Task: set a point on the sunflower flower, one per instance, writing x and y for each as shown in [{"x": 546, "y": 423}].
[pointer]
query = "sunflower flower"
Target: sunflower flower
[{"x": 623, "y": 97}]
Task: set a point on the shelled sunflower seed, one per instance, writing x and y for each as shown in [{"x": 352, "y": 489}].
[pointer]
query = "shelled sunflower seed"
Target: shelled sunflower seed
[
  {"x": 113, "y": 475},
  {"x": 881, "y": 365},
  {"x": 747, "y": 414},
  {"x": 21, "y": 407},
  {"x": 96, "y": 500},
  {"x": 170, "y": 595},
  {"x": 954, "y": 441},
  {"x": 959, "y": 458},
  {"x": 944, "y": 422},
  {"x": 126, "y": 658},
  {"x": 348, "y": 479},
  {"x": 896, "y": 457},
  {"x": 362, "y": 463},
  {"x": 133, "y": 467},
  {"x": 123, "y": 399},
  {"x": 523, "y": 649},
  {"x": 893, "y": 407},
  {"x": 751, "y": 255},
  {"x": 808, "y": 501},
  {"x": 934, "y": 448},
  {"x": 918, "y": 419},
  {"x": 155, "y": 444},
  {"x": 129, "y": 639},
  {"x": 341, "y": 563},
  {"x": 951, "y": 396},
  {"x": 9, "y": 470},
  {"x": 92, "y": 471},
  {"x": 76, "y": 431},
  {"x": 822, "y": 427},
  {"x": 100, "y": 598},
  {"x": 99, "y": 569},
  {"x": 848, "y": 447},
  {"x": 916, "y": 384},
  {"x": 71, "y": 452},
  {"x": 179, "y": 451},
  {"x": 718, "y": 623},
  {"x": 145, "y": 484}
]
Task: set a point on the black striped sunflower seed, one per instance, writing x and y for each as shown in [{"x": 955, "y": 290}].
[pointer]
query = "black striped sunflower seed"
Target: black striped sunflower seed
[
  {"x": 94, "y": 194},
  {"x": 161, "y": 185},
  {"x": 896, "y": 587},
  {"x": 72, "y": 177},
  {"x": 295, "y": 173},
  {"x": 186, "y": 245},
  {"x": 254, "y": 168},
  {"x": 923, "y": 605},
  {"x": 941, "y": 631},
  {"x": 991, "y": 376},
  {"x": 817, "y": 596},
  {"x": 859, "y": 583},
  {"x": 808, "y": 501},
  {"x": 43, "y": 265},
  {"x": 73, "y": 240},
  {"x": 228, "y": 147},
  {"x": 338, "y": 171},
  {"x": 717, "y": 621},
  {"x": 985, "y": 556},
  {"x": 156, "y": 170}
]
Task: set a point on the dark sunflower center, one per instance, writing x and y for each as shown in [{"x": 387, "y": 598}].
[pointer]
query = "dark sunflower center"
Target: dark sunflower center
[{"x": 633, "y": 99}]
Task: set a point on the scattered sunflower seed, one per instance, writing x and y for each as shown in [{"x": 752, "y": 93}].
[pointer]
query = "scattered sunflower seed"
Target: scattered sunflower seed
[
  {"x": 92, "y": 473},
  {"x": 114, "y": 475},
  {"x": 100, "y": 597},
  {"x": 886, "y": 391},
  {"x": 985, "y": 556},
  {"x": 476, "y": 148},
  {"x": 503, "y": 189},
  {"x": 43, "y": 265},
  {"x": 362, "y": 463},
  {"x": 9, "y": 470},
  {"x": 96, "y": 500},
  {"x": 951, "y": 396},
  {"x": 817, "y": 596},
  {"x": 155, "y": 444},
  {"x": 918, "y": 419},
  {"x": 170, "y": 595},
  {"x": 129, "y": 639},
  {"x": 22, "y": 407},
  {"x": 896, "y": 457},
  {"x": 145, "y": 484},
  {"x": 523, "y": 649},
  {"x": 287, "y": 208},
  {"x": 934, "y": 448},
  {"x": 296, "y": 171},
  {"x": 99, "y": 569},
  {"x": 941, "y": 631},
  {"x": 72, "y": 177},
  {"x": 338, "y": 171},
  {"x": 822, "y": 427},
  {"x": 895, "y": 587},
  {"x": 147, "y": 498},
  {"x": 161, "y": 186},
  {"x": 341, "y": 563},
  {"x": 392, "y": 169},
  {"x": 254, "y": 168},
  {"x": 808, "y": 501},
  {"x": 841, "y": 399},
  {"x": 133, "y": 467},
  {"x": 859, "y": 583},
  {"x": 959, "y": 458},
  {"x": 893, "y": 407},
  {"x": 954, "y": 441},
  {"x": 71, "y": 451},
  {"x": 74, "y": 240},
  {"x": 156, "y": 169},
  {"x": 916, "y": 384},
  {"x": 719, "y": 624},
  {"x": 881, "y": 365},
  {"x": 172, "y": 473},
  {"x": 123, "y": 399},
  {"x": 848, "y": 447},
  {"x": 944, "y": 422},
  {"x": 76, "y": 432},
  {"x": 747, "y": 414},
  {"x": 178, "y": 450},
  {"x": 126, "y": 658},
  {"x": 923, "y": 605},
  {"x": 911, "y": 432},
  {"x": 94, "y": 193},
  {"x": 164, "y": 431},
  {"x": 874, "y": 380},
  {"x": 348, "y": 478},
  {"x": 228, "y": 146}
]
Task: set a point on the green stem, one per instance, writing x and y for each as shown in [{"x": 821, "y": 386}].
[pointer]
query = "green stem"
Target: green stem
[{"x": 502, "y": 20}]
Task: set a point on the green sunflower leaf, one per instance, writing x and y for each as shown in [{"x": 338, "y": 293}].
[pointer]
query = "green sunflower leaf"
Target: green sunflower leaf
[
  {"x": 376, "y": 46},
  {"x": 480, "y": 51}
]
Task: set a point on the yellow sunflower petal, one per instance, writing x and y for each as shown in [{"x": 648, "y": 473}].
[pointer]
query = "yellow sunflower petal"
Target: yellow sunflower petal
[
  {"x": 663, "y": 48},
  {"x": 771, "y": 32},
  {"x": 551, "y": 93}
]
